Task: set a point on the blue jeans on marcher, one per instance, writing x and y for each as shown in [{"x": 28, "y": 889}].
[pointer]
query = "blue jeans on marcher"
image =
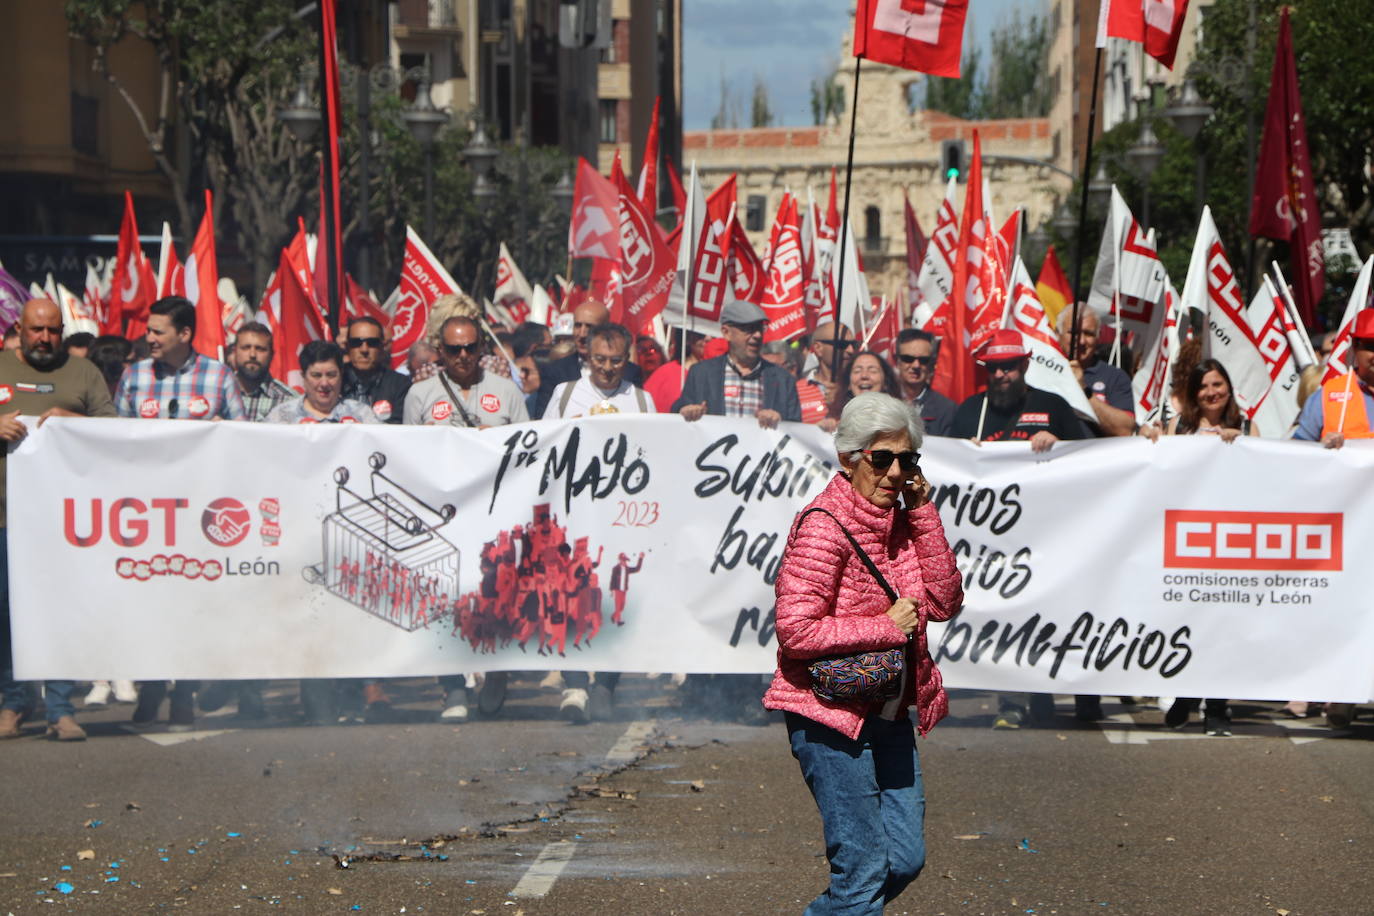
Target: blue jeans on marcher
[
  {"x": 872, "y": 806},
  {"x": 57, "y": 695}
]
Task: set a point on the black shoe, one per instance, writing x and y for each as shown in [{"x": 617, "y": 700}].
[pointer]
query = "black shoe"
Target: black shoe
[
  {"x": 183, "y": 717},
  {"x": 150, "y": 697},
  {"x": 1041, "y": 709},
  {"x": 1087, "y": 708},
  {"x": 600, "y": 699},
  {"x": 1178, "y": 713},
  {"x": 251, "y": 705},
  {"x": 1218, "y": 726},
  {"x": 213, "y": 697}
]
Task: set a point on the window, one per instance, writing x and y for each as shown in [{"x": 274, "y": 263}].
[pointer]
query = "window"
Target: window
[
  {"x": 873, "y": 229},
  {"x": 608, "y": 121},
  {"x": 754, "y": 212}
]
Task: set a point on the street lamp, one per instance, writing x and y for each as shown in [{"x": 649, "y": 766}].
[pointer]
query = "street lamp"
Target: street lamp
[
  {"x": 1064, "y": 222},
  {"x": 562, "y": 193},
  {"x": 1099, "y": 188},
  {"x": 302, "y": 118},
  {"x": 480, "y": 153},
  {"x": 1144, "y": 158},
  {"x": 1188, "y": 111},
  {"x": 424, "y": 121}
]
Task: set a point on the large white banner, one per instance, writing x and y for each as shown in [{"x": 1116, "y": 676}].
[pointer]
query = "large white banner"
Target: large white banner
[{"x": 163, "y": 549}]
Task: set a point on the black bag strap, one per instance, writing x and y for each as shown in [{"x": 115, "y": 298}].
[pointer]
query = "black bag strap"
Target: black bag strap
[
  {"x": 872, "y": 567},
  {"x": 468, "y": 420}
]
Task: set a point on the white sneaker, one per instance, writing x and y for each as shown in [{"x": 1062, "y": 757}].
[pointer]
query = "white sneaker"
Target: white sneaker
[
  {"x": 574, "y": 705},
  {"x": 125, "y": 692},
  {"x": 553, "y": 680},
  {"x": 99, "y": 695},
  {"x": 456, "y": 712}
]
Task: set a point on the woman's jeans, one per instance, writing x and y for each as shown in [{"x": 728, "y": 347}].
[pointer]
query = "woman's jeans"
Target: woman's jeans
[{"x": 872, "y": 808}]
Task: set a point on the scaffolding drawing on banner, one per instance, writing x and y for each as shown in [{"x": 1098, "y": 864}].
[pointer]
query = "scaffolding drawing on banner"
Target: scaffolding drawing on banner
[{"x": 384, "y": 554}]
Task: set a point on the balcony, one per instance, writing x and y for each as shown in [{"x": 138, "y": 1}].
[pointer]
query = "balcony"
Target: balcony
[{"x": 428, "y": 19}]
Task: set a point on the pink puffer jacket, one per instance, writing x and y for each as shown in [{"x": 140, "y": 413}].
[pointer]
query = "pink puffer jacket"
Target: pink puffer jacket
[{"x": 828, "y": 603}]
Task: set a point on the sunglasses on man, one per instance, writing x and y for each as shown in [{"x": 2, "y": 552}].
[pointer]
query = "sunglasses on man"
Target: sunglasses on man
[
  {"x": 842, "y": 342},
  {"x": 356, "y": 342},
  {"x": 881, "y": 459},
  {"x": 908, "y": 359},
  {"x": 456, "y": 349}
]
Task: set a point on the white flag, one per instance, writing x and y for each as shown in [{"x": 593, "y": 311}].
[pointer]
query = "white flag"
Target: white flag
[
  {"x": 1048, "y": 370},
  {"x": 1338, "y": 363},
  {"x": 1153, "y": 381},
  {"x": 1268, "y": 325}
]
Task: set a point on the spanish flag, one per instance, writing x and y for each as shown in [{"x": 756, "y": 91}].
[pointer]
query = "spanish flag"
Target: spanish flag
[{"x": 1053, "y": 287}]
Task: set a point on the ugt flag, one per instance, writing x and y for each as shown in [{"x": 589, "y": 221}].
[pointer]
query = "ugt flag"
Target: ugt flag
[{"x": 926, "y": 36}]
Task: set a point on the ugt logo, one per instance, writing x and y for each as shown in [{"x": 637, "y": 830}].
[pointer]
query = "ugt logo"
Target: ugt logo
[{"x": 226, "y": 521}]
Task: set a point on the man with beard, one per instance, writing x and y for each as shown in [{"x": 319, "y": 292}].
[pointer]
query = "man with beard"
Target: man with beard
[
  {"x": 252, "y": 355},
  {"x": 366, "y": 378},
  {"x": 39, "y": 380},
  {"x": 1011, "y": 410}
]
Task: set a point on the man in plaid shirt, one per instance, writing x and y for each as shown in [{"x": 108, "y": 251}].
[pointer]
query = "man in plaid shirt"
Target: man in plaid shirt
[
  {"x": 252, "y": 357},
  {"x": 177, "y": 383},
  {"x": 740, "y": 383}
]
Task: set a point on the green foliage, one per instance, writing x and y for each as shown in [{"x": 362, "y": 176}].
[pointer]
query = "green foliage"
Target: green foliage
[
  {"x": 827, "y": 99},
  {"x": 1014, "y": 85},
  {"x": 1331, "y": 41},
  {"x": 760, "y": 113}
]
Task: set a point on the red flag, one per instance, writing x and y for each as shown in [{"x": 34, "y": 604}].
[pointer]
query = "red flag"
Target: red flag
[
  {"x": 915, "y": 251},
  {"x": 746, "y": 271},
  {"x": 882, "y": 336},
  {"x": 423, "y": 279},
  {"x": 926, "y": 36},
  {"x": 202, "y": 287},
  {"x": 711, "y": 284},
  {"x": 1285, "y": 202},
  {"x": 330, "y": 242},
  {"x": 648, "y": 169},
  {"x": 359, "y": 303},
  {"x": 954, "y": 366},
  {"x": 291, "y": 313},
  {"x": 1157, "y": 24},
  {"x": 647, "y": 265},
  {"x": 133, "y": 286},
  {"x": 782, "y": 297},
  {"x": 675, "y": 181},
  {"x": 594, "y": 231}
]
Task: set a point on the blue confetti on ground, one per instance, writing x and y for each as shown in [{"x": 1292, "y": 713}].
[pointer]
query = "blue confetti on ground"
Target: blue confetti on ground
[
  {"x": 94, "y": 824},
  {"x": 231, "y": 833},
  {"x": 64, "y": 888},
  {"x": 1025, "y": 845}
]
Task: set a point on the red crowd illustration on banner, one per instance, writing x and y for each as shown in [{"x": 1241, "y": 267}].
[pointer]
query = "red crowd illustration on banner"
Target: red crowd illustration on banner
[
  {"x": 537, "y": 587},
  {"x": 384, "y": 553}
]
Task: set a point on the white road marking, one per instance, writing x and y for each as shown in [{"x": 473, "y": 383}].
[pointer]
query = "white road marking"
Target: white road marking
[
  {"x": 623, "y": 751},
  {"x": 169, "y": 739},
  {"x": 1122, "y": 729},
  {"x": 538, "y": 880}
]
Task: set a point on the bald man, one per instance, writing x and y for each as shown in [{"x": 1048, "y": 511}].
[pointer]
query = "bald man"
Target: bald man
[
  {"x": 576, "y": 366},
  {"x": 39, "y": 379}
]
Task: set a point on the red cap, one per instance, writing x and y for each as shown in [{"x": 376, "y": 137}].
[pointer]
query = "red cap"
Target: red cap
[
  {"x": 1364, "y": 324},
  {"x": 1005, "y": 343}
]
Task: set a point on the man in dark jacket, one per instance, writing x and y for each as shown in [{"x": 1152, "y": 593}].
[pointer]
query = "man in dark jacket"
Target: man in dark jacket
[
  {"x": 368, "y": 377},
  {"x": 586, "y": 317},
  {"x": 741, "y": 383}
]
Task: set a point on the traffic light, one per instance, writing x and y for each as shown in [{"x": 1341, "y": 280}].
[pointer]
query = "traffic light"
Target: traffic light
[{"x": 952, "y": 158}]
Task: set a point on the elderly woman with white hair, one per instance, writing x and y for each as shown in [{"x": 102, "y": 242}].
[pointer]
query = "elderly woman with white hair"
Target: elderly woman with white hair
[{"x": 866, "y": 567}]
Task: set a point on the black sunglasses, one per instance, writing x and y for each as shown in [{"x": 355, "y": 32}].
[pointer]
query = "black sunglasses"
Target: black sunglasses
[
  {"x": 838, "y": 341},
  {"x": 907, "y": 358},
  {"x": 1002, "y": 365},
  {"x": 356, "y": 342},
  {"x": 881, "y": 459},
  {"x": 455, "y": 349}
]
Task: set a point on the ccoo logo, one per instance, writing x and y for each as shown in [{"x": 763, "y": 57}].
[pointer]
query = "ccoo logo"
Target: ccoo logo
[
  {"x": 1253, "y": 540},
  {"x": 225, "y": 521}
]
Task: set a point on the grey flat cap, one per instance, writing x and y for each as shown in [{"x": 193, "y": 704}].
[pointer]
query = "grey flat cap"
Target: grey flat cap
[{"x": 737, "y": 311}]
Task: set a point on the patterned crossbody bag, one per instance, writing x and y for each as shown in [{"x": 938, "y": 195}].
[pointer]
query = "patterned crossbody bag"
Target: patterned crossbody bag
[{"x": 861, "y": 676}]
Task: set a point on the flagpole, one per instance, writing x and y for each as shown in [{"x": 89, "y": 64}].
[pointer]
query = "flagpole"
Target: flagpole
[
  {"x": 844, "y": 220},
  {"x": 1085, "y": 177}
]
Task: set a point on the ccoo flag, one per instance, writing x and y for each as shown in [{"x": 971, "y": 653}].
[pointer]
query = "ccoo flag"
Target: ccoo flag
[{"x": 926, "y": 36}]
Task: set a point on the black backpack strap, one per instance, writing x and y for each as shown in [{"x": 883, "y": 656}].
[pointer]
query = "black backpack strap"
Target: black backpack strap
[{"x": 872, "y": 567}]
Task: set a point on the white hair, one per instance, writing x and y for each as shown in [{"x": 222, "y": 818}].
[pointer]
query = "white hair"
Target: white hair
[
  {"x": 873, "y": 414},
  {"x": 1065, "y": 317}
]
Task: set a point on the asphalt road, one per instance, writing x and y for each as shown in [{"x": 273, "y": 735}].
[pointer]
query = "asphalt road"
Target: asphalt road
[{"x": 664, "y": 811}]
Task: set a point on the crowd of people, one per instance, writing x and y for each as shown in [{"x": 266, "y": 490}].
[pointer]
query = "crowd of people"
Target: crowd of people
[{"x": 464, "y": 374}]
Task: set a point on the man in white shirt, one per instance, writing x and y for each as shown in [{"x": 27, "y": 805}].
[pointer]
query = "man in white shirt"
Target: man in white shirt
[{"x": 604, "y": 389}]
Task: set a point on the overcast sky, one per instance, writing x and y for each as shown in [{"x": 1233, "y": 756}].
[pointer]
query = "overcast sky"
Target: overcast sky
[{"x": 786, "y": 44}]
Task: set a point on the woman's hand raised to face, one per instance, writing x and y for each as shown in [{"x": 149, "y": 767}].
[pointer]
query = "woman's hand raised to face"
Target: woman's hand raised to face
[
  {"x": 903, "y": 614},
  {"x": 916, "y": 491}
]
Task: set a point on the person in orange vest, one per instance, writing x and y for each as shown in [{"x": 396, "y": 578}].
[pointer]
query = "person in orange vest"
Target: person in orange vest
[{"x": 1341, "y": 409}]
